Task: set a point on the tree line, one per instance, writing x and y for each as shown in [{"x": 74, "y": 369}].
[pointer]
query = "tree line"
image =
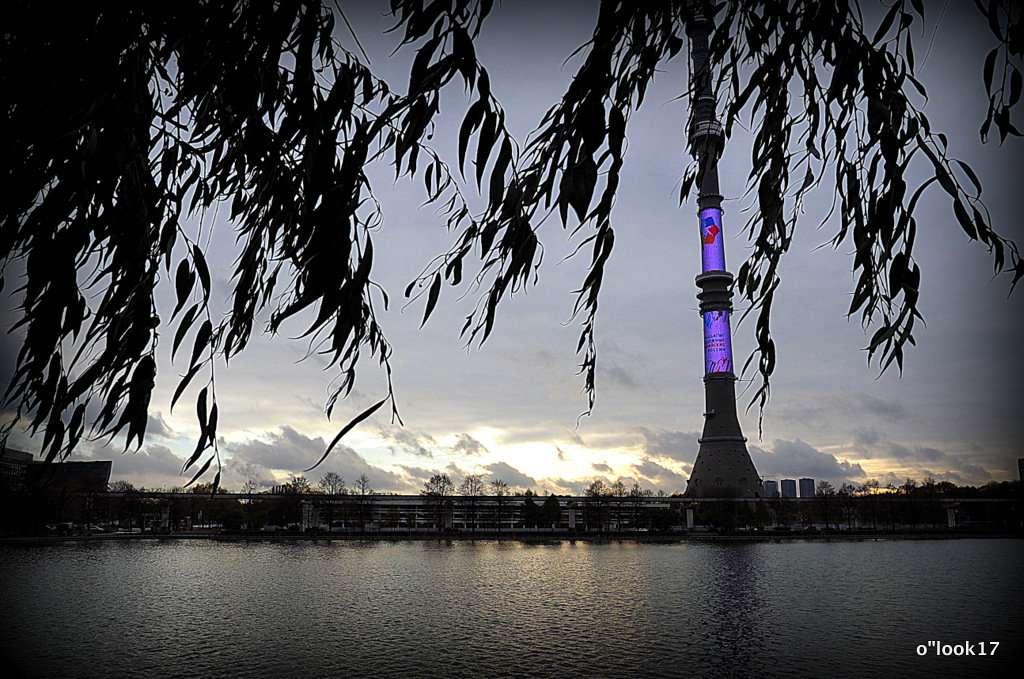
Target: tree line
[
  {"x": 874, "y": 507},
  {"x": 483, "y": 507}
]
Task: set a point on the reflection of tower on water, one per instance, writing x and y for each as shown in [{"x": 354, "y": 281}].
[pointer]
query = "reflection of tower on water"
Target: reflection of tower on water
[{"x": 738, "y": 610}]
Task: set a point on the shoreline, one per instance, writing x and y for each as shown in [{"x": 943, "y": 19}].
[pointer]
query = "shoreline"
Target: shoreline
[{"x": 526, "y": 538}]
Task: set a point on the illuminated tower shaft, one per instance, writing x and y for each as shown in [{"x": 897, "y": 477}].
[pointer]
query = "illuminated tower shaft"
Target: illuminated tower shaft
[{"x": 723, "y": 467}]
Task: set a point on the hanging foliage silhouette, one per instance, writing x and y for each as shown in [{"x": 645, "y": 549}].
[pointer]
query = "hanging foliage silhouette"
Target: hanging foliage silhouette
[{"x": 121, "y": 124}]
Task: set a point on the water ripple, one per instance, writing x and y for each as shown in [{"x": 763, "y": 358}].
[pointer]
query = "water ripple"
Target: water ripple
[{"x": 500, "y": 609}]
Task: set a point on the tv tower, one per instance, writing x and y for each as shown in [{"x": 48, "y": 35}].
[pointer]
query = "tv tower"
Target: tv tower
[{"x": 723, "y": 467}]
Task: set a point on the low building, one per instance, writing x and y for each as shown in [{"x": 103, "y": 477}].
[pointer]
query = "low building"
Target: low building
[
  {"x": 18, "y": 471},
  {"x": 73, "y": 477},
  {"x": 12, "y": 468},
  {"x": 418, "y": 513}
]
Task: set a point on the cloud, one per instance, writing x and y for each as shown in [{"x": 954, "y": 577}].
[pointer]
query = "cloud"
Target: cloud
[
  {"x": 975, "y": 472},
  {"x": 292, "y": 451},
  {"x": 154, "y": 466},
  {"x": 455, "y": 472},
  {"x": 660, "y": 476},
  {"x": 921, "y": 461},
  {"x": 467, "y": 445},
  {"x": 930, "y": 454},
  {"x": 865, "y": 437},
  {"x": 958, "y": 471},
  {"x": 238, "y": 470},
  {"x": 510, "y": 475},
  {"x": 157, "y": 427},
  {"x": 418, "y": 475},
  {"x": 528, "y": 431},
  {"x": 900, "y": 452},
  {"x": 888, "y": 409},
  {"x": 616, "y": 375},
  {"x": 574, "y": 436},
  {"x": 285, "y": 449},
  {"x": 826, "y": 409},
  {"x": 560, "y": 486},
  {"x": 950, "y": 476},
  {"x": 674, "y": 445},
  {"x": 917, "y": 453},
  {"x": 890, "y": 479},
  {"x": 796, "y": 459},
  {"x": 408, "y": 441},
  {"x": 601, "y": 467}
]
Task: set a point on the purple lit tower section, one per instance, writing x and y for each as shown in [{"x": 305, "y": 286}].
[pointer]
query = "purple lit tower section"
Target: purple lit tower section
[
  {"x": 723, "y": 467},
  {"x": 712, "y": 251},
  {"x": 717, "y": 335}
]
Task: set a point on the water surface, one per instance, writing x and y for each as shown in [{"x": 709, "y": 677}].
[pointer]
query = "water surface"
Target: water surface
[{"x": 496, "y": 609}]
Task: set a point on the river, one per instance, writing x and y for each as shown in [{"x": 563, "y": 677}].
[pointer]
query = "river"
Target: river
[{"x": 207, "y": 608}]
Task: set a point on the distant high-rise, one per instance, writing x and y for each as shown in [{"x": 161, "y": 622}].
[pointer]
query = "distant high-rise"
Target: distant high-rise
[
  {"x": 771, "y": 488},
  {"x": 1020, "y": 468},
  {"x": 806, "y": 487},
  {"x": 788, "y": 487}
]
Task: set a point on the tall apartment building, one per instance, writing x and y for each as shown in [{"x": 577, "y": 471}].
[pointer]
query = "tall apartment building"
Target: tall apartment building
[
  {"x": 806, "y": 487},
  {"x": 788, "y": 487}
]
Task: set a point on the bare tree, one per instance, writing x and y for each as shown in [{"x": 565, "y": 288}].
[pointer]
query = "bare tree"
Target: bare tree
[
  {"x": 121, "y": 486},
  {"x": 250, "y": 488},
  {"x": 332, "y": 483},
  {"x": 824, "y": 494},
  {"x": 618, "y": 490},
  {"x": 437, "y": 491},
  {"x": 472, "y": 487},
  {"x": 870, "y": 491},
  {"x": 363, "y": 485},
  {"x": 299, "y": 485},
  {"x": 847, "y": 493},
  {"x": 596, "y": 499},
  {"x": 637, "y": 495},
  {"x": 362, "y": 490},
  {"x": 499, "y": 489}
]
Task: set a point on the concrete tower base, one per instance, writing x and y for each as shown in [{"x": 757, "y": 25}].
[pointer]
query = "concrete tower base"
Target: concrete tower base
[{"x": 723, "y": 467}]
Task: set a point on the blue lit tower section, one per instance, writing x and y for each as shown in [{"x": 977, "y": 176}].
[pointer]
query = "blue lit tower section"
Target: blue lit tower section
[{"x": 723, "y": 467}]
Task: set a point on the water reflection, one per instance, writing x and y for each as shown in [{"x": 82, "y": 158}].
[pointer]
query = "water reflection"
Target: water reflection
[
  {"x": 474, "y": 609},
  {"x": 733, "y": 634}
]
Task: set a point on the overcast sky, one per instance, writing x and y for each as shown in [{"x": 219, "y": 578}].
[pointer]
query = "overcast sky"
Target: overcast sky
[{"x": 509, "y": 409}]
